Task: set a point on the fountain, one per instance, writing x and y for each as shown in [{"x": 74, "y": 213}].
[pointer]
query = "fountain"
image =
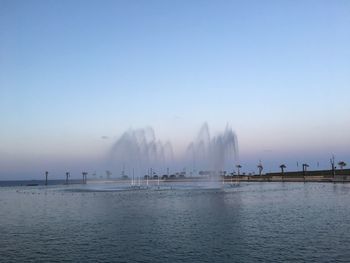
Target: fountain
[
  {"x": 138, "y": 151},
  {"x": 213, "y": 154}
]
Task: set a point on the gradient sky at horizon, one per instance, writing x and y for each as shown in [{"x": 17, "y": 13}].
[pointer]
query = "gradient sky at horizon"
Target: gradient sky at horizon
[{"x": 73, "y": 71}]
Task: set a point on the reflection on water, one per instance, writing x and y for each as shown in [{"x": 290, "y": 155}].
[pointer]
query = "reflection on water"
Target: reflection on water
[{"x": 182, "y": 222}]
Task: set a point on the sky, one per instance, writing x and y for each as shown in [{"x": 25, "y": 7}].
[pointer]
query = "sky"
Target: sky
[{"x": 75, "y": 75}]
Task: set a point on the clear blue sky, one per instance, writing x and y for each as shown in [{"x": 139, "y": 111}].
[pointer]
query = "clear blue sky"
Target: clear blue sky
[{"x": 73, "y": 71}]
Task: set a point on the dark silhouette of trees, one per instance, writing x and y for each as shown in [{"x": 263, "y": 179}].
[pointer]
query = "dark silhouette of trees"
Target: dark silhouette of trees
[{"x": 342, "y": 164}]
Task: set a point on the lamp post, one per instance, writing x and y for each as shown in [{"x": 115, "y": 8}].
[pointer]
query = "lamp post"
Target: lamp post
[
  {"x": 305, "y": 165},
  {"x": 84, "y": 177},
  {"x": 333, "y": 166},
  {"x": 238, "y": 169},
  {"x": 46, "y": 175},
  {"x": 67, "y": 176},
  {"x": 260, "y": 167}
]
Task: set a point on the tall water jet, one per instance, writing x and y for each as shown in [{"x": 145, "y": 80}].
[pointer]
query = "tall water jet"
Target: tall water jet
[
  {"x": 213, "y": 154},
  {"x": 140, "y": 150}
]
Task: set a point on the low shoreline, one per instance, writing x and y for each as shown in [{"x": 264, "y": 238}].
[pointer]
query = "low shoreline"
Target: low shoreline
[{"x": 315, "y": 176}]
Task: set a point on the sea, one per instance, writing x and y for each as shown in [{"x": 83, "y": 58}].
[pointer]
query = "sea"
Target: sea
[{"x": 175, "y": 222}]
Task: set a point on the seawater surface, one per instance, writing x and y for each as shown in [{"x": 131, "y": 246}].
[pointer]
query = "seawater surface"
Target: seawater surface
[{"x": 189, "y": 222}]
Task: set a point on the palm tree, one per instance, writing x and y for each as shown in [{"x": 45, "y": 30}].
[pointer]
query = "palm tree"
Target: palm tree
[
  {"x": 342, "y": 164},
  {"x": 283, "y": 166},
  {"x": 238, "y": 168}
]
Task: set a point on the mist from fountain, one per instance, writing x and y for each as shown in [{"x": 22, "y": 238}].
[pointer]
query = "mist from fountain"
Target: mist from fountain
[
  {"x": 213, "y": 154},
  {"x": 140, "y": 150}
]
